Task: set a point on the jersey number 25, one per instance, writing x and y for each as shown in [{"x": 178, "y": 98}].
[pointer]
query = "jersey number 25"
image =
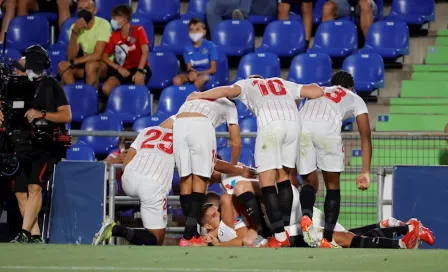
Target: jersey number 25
[
  {"x": 166, "y": 140},
  {"x": 336, "y": 95},
  {"x": 273, "y": 86}
]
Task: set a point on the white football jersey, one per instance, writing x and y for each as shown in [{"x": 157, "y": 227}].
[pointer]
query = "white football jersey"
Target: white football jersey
[
  {"x": 154, "y": 158},
  {"x": 337, "y": 105},
  {"x": 218, "y": 111},
  {"x": 270, "y": 99},
  {"x": 226, "y": 233}
]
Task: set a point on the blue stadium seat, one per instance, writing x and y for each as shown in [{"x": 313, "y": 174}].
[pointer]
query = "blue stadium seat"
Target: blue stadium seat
[
  {"x": 388, "y": 39},
  {"x": 129, "y": 102},
  {"x": 104, "y": 7},
  {"x": 164, "y": 67},
  {"x": 378, "y": 17},
  {"x": 335, "y": 38},
  {"x": 64, "y": 34},
  {"x": 148, "y": 26},
  {"x": 284, "y": 38},
  {"x": 83, "y": 101},
  {"x": 22, "y": 32},
  {"x": 317, "y": 11},
  {"x": 196, "y": 9},
  {"x": 12, "y": 54},
  {"x": 243, "y": 111},
  {"x": 101, "y": 145},
  {"x": 367, "y": 70},
  {"x": 174, "y": 37},
  {"x": 222, "y": 72},
  {"x": 56, "y": 55},
  {"x": 149, "y": 121},
  {"x": 311, "y": 68},
  {"x": 159, "y": 11},
  {"x": 248, "y": 124},
  {"x": 220, "y": 141},
  {"x": 260, "y": 19},
  {"x": 172, "y": 98},
  {"x": 79, "y": 152},
  {"x": 246, "y": 156},
  {"x": 264, "y": 64},
  {"x": 51, "y": 17},
  {"x": 234, "y": 37},
  {"x": 413, "y": 12}
]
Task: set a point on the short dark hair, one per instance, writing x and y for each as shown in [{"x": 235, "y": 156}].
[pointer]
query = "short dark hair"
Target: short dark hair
[
  {"x": 343, "y": 79},
  {"x": 204, "y": 209},
  {"x": 195, "y": 21},
  {"x": 123, "y": 10},
  {"x": 255, "y": 76}
]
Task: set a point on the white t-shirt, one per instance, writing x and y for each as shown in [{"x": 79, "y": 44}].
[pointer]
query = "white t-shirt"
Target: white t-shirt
[
  {"x": 218, "y": 111},
  {"x": 228, "y": 182},
  {"x": 226, "y": 233},
  {"x": 270, "y": 99},
  {"x": 154, "y": 158},
  {"x": 337, "y": 105}
]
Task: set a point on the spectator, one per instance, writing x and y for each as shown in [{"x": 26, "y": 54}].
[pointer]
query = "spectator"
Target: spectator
[
  {"x": 284, "y": 7},
  {"x": 130, "y": 45},
  {"x": 219, "y": 9},
  {"x": 90, "y": 34},
  {"x": 118, "y": 155},
  {"x": 366, "y": 9},
  {"x": 264, "y": 7},
  {"x": 200, "y": 56}
]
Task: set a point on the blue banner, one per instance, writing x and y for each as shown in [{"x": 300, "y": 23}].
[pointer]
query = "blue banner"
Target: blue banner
[
  {"x": 421, "y": 192},
  {"x": 78, "y": 202}
]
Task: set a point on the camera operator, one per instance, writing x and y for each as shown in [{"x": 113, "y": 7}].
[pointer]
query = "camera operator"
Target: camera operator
[{"x": 49, "y": 109}]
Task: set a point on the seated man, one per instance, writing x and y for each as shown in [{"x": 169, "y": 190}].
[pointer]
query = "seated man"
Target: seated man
[
  {"x": 90, "y": 34},
  {"x": 200, "y": 56},
  {"x": 365, "y": 9},
  {"x": 217, "y": 10},
  {"x": 129, "y": 44}
]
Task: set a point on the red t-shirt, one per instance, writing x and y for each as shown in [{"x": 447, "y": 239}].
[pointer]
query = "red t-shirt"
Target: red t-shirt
[{"x": 128, "y": 51}]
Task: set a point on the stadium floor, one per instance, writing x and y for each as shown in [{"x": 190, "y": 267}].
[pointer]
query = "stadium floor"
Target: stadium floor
[{"x": 131, "y": 258}]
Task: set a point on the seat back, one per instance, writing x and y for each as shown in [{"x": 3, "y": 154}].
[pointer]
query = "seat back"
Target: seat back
[
  {"x": 234, "y": 37},
  {"x": 172, "y": 98},
  {"x": 64, "y": 33},
  {"x": 264, "y": 64},
  {"x": 148, "y": 26},
  {"x": 79, "y": 152},
  {"x": 101, "y": 145},
  {"x": 23, "y": 32},
  {"x": 56, "y": 56},
  {"x": 83, "y": 101},
  {"x": 311, "y": 68},
  {"x": 104, "y": 7},
  {"x": 196, "y": 9},
  {"x": 148, "y": 121},
  {"x": 246, "y": 156},
  {"x": 413, "y": 11},
  {"x": 164, "y": 67},
  {"x": 12, "y": 54},
  {"x": 388, "y": 34},
  {"x": 284, "y": 38},
  {"x": 248, "y": 124},
  {"x": 174, "y": 37},
  {"x": 159, "y": 11},
  {"x": 365, "y": 68},
  {"x": 129, "y": 102},
  {"x": 336, "y": 34}
]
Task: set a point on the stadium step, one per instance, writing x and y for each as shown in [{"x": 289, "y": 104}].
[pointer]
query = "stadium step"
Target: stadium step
[
  {"x": 423, "y": 109},
  {"x": 411, "y": 122},
  {"x": 442, "y": 41},
  {"x": 413, "y": 88},
  {"x": 436, "y": 76},
  {"x": 409, "y": 144},
  {"x": 436, "y": 55},
  {"x": 417, "y": 101},
  {"x": 443, "y": 32},
  {"x": 429, "y": 68},
  {"x": 385, "y": 157}
]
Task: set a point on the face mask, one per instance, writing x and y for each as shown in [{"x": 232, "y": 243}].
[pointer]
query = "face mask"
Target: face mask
[
  {"x": 114, "y": 24},
  {"x": 195, "y": 37},
  {"x": 87, "y": 15},
  {"x": 32, "y": 75}
]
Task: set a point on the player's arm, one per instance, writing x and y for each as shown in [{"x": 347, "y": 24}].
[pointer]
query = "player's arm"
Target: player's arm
[
  {"x": 210, "y": 70},
  {"x": 227, "y": 91},
  {"x": 235, "y": 139},
  {"x": 129, "y": 156},
  {"x": 227, "y": 168},
  {"x": 235, "y": 242},
  {"x": 100, "y": 46},
  {"x": 215, "y": 178},
  {"x": 311, "y": 91},
  {"x": 362, "y": 121}
]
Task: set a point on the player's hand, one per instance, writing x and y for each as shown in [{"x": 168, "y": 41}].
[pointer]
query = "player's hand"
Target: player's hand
[
  {"x": 192, "y": 76},
  {"x": 79, "y": 25},
  {"x": 2, "y": 118},
  {"x": 138, "y": 77},
  {"x": 123, "y": 154},
  {"x": 247, "y": 172},
  {"x": 363, "y": 181},
  {"x": 32, "y": 114},
  {"x": 124, "y": 72},
  {"x": 194, "y": 96}
]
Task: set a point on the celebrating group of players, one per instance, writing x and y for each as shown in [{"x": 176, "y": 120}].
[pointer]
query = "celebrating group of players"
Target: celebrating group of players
[{"x": 262, "y": 209}]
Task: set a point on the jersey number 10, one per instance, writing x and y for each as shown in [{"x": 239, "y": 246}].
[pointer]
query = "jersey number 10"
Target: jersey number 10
[
  {"x": 166, "y": 140},
  {"x": 336, "y": 95},
  {"x": 273, "y": 86}
]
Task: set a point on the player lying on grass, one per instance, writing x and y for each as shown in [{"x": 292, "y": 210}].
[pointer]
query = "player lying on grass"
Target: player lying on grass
[{"x": 148, "y": 174}]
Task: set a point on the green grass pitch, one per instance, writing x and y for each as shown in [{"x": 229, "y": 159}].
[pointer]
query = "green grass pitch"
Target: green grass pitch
[{"x": 170, "y": 258}]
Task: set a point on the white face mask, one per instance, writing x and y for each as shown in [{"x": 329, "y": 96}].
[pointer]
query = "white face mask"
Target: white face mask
[
  {"x": 195, "y": 37},
  {"x": 32, "y": 75}
]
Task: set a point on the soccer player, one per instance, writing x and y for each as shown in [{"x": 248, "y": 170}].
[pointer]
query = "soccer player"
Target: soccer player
[
  {"x": 273, "y": 101},
  {"x": 321, "y": 147},
  {"x": 195, "y": 154}
]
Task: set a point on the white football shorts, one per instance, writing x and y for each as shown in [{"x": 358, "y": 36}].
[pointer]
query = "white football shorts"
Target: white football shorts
[
  {"x": 194, "y": 146},
  {"x": 152, "y": 195},
  {"x": 277, "y": 145},
  {"x": 320, "y": 148}
]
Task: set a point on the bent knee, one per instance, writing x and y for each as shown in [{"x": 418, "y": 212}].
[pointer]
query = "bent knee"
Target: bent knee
[
  {"x": 63, "y": 65},
  {"x": 226, "y": 199},
  {"x": 92, "y": 67},
  {"x": 34, "y": 189},
  {"x": 365, "y": 5},
  {"x": 242, "y": 187}
]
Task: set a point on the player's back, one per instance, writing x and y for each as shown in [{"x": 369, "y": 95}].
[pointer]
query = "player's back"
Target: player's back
[
  {"x": 154, "y": 155},
  {"x": 218, "y": 111},
  {"x": 336, "y": 105},
  {"x": 270, "y": 99}
]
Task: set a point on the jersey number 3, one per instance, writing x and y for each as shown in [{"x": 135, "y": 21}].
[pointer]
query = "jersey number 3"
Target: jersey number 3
[
  {"x": 336, "y": 95},
  {"x": 274, "y": 86},
  {"x": 166, "y": 140}
]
